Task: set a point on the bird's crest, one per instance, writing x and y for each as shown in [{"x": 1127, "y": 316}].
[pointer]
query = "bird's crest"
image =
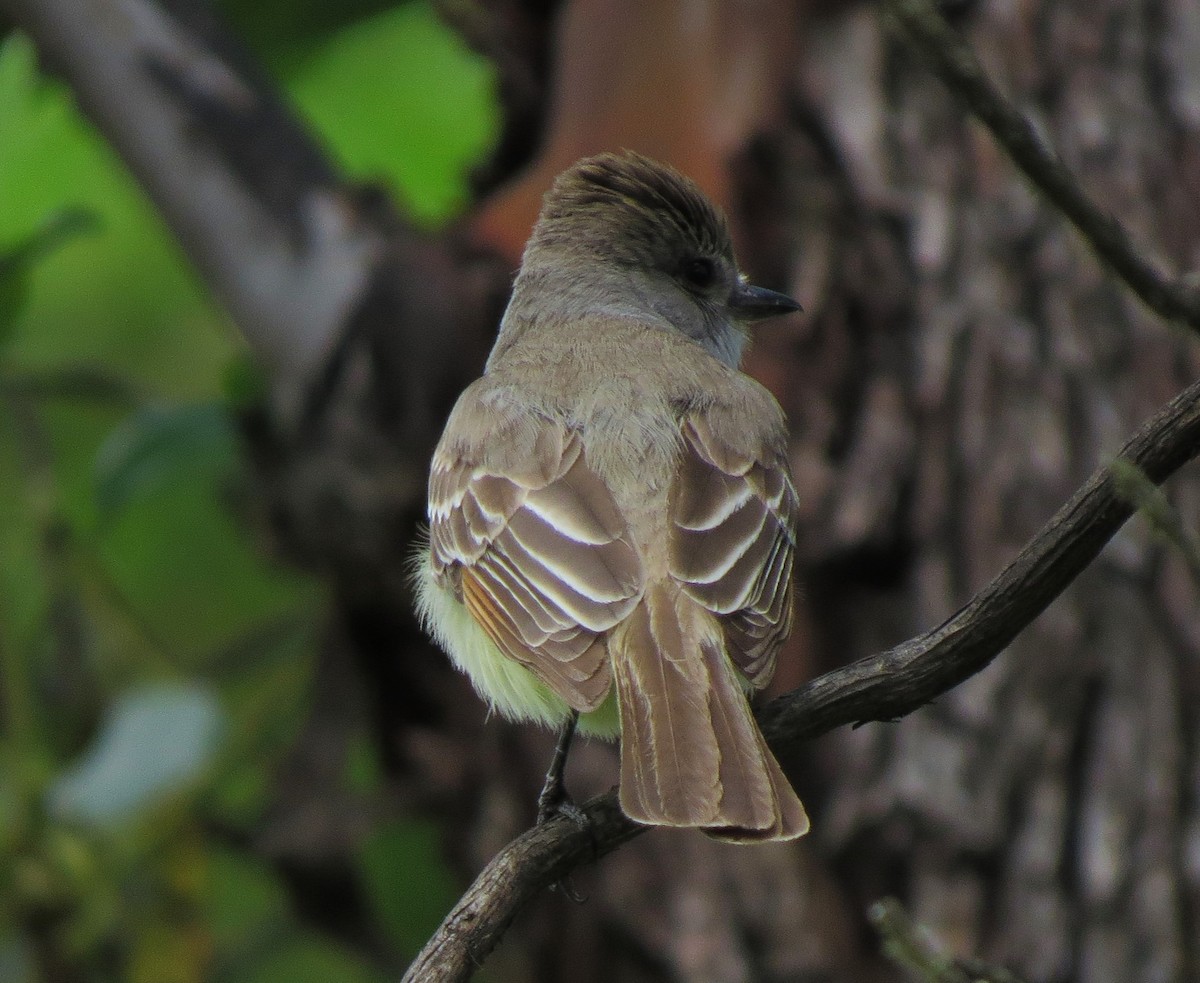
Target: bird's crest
[{"x": 629, "y": 195}]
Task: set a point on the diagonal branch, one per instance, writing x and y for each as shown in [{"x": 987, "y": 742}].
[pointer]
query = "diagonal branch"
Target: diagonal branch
[
  {"x": 267, "y": 220},
  {"x": 881, "y": 687},
  {"x": 953, "y": 61}
]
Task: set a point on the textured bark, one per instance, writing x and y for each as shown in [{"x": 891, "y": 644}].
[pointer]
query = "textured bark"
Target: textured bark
[{"x": 1041, "y": 816}]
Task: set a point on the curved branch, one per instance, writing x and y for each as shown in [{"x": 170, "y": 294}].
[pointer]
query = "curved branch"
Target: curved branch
[
  {"x": 953, "y": 61},
  {"x": 880, "y": 687}
]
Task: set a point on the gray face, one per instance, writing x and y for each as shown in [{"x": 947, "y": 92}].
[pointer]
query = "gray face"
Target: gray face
[{"x": 693, "y": 293}]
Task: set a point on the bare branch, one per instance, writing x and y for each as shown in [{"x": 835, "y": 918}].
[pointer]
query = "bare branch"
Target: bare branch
[
  {"x": 881, "y": 687},
  {"x": 953, "y": 61}
]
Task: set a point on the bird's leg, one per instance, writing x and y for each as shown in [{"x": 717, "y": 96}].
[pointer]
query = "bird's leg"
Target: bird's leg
[{"x": 554, "y": 799}]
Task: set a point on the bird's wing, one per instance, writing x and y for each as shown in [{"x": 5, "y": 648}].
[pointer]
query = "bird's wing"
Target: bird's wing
[
  {"x": 733, "y": 515},
  {"x": 535, "y": 547}
]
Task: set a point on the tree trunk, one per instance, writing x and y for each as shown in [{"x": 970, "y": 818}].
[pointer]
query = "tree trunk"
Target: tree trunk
[{"x": 1041, "y": 816}]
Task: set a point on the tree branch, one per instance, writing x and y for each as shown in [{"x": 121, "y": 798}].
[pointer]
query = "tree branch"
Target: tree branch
[
  {"x": 882, "y": 687},
  {"x": 952, "y": 60},
  {"x": 258, "y": 209}
]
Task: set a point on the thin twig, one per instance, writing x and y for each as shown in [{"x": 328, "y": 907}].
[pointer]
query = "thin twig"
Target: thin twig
[
  {"x": 882, "y": 687},
  {"x": 953, "y": 61},
  {"x": 912, "y": 946},
  {"x": 1153, "y": 506}
]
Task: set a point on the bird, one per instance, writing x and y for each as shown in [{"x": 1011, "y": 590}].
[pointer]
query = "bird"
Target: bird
[{"x": 612, "y": 517}]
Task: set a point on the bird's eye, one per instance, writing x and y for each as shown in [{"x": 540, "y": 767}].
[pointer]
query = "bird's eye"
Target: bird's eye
[{"x": 700, "y": 272}]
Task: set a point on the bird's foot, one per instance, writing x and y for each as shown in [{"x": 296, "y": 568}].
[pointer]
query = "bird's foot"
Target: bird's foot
[{"x": 554, "y": 799}]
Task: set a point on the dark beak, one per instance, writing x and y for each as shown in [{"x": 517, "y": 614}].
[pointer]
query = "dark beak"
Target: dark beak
[{"x": 754, "y": 303}]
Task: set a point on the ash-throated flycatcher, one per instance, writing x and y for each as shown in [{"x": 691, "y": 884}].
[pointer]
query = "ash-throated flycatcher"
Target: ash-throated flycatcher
[{"x": 611, "y": 511}]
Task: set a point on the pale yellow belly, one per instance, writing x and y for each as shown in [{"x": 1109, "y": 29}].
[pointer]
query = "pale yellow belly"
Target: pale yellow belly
[{"x": 508, "y": 687}]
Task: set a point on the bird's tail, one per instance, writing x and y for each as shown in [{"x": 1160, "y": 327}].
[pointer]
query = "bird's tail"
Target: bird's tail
[{"x": 691, "y": 752}]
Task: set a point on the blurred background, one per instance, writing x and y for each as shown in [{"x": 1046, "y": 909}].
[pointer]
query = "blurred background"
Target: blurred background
[
  {"x": 227, "y": 754},
  {"x": 158, "y": 660}
]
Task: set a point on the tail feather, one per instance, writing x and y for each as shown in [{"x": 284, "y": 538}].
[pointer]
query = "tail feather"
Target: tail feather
[
  {"x": 691, "y": 753},
  {"x": 760, "y": 802},
  {"x": 668, "y": 750}
]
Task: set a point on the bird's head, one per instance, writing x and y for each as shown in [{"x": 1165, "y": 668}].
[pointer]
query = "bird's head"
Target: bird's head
[{"x": 623, "y": 231}]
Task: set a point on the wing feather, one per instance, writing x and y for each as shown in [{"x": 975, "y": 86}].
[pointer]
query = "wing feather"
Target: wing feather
[
  {"x": 537, "y": 550},
  {"x": 732, "y": 542}
]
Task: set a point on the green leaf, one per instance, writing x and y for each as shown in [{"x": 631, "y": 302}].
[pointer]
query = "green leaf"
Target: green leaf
[
  {"x": 17, "y": 261},
  {"x": 157, "y": 446},
  {"x": 400, "y": 99},
  {"x": 55, "y": 230},
  {"x": 362, "y": 774},
  {"x": 183, "y": 564},
  {"x": 244, "y": 902},
  {"x": 311, "y": 960},
  {"x": 14, "y": 291},
  {"x": 154, "y": 741},
  {"x": 410, "y": 886},
  {"x": 12, "y": 810},
  {"x": 243, "y": 382},
  {"x": 123, "y": 300}
]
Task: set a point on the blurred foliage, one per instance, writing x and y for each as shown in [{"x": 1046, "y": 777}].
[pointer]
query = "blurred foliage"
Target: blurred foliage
[
  {"x": 155, "y": 664},
  {"x": 423, "y": 94}
]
